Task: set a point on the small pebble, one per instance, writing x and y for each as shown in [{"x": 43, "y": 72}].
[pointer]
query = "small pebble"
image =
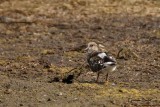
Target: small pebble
[
  {"x": 75, "y": 98},
  {"x": 8, "y": 91},
  {"x": 113, "y": 84},
  {"x": 44, "y": 95},
  {"x": 60, "y": 94}
]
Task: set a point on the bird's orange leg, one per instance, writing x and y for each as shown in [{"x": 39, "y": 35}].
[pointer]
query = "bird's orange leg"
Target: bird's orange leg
[
  {"x": 106, "y": 81},
  {"x": 97, "y": 77},
  {"x": 107, "y": 77}
]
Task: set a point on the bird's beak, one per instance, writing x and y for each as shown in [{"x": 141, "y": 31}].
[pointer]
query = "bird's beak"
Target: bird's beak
[
  {"x": 86, "y": 49},
  {"x": 101, "y": 46}
]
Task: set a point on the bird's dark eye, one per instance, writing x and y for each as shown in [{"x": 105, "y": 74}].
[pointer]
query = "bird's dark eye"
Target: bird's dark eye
[{"x": 91, "y": 45}]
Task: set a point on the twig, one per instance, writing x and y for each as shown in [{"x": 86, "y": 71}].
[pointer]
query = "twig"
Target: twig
[{"x": 119, "y": 53}]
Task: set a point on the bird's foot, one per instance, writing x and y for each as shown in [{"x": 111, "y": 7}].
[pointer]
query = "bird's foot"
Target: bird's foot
[
  {"x": 106, "y": 82},
  {"x": 89, "y": 73}
]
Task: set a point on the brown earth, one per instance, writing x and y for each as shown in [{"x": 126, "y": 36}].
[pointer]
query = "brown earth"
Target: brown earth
[{"x": 44, "y": 39}]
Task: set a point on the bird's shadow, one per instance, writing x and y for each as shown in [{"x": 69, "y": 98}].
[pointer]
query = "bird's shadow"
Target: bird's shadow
[
  {"x": 70, "y": 80},
  {"x": 92, "y": 82}
]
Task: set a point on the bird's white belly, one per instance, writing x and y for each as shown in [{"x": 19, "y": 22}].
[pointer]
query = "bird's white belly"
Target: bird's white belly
[{"x": 108, "y": 69}]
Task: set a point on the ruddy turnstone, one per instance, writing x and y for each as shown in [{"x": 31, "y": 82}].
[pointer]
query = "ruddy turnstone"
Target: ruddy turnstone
[{"x": 99, "y": 61}]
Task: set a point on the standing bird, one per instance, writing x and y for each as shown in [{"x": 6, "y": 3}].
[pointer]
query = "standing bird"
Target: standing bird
[{"x": 99, "y": 61}]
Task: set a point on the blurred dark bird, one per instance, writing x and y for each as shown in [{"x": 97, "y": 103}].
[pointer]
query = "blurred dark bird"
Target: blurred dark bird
[{"x": 99, "y": 61}]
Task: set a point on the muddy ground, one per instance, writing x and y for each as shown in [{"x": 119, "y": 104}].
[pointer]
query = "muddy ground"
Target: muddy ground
[{"x": 43, "y": 39}]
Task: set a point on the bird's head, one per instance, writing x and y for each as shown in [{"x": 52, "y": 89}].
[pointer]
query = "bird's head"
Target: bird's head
[{"x": 92, "y": 47}]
